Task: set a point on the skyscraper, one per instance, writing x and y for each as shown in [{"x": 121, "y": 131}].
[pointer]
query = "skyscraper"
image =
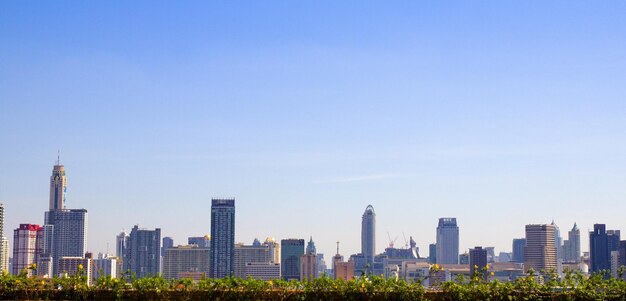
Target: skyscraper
[
  {"x": 186, "y": 260},
  {"x": 222, "y": 238},
  {"x": 58, "y": 186},
  {"x": 432, "y": 253},
  {"x": 368, "y": 236},
  {"x": 571, "y": 246},
  {"x": 121, "y": 240},
  {"x": 291, "y": 250},
  {"x": 599, "y": 249},
  {"x": 447, "y": 241},
  {"x": 65, "y": 234},
  {"x": 168, "y": 242},
  {"x": 518, "y": 249},
  {"x": 27, "y": 245},
  {"x": 478, "y": 260},
  {"x": 255, "y": 253},
  {"x": 143, "y": 252},
  {"x": 308, "y": 262},
  {"x": 540, "y": 250},
  {"x": 558, "y": 241},
  {"x": 4, "y": 257}
]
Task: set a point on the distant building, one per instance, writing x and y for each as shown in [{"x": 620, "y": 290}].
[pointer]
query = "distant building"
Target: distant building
[
  {"x": 263, "y": 270},
  {"x": 558, "y": 241},
  {"x": 105, "y": 267},
  {"x": 540, "y": 250},
  {"x": 291, "y": 251},
  {"x": 368, "y": 236},
  {"x": 464, "y": 258},
  {"x": 222, "y": 238},
  {"x": 491, "y": 254},
  {"x": 321, "y": 265},
  {"x": 143, "y": 252},
  {"x": 70, "y": 266},
  {"x": 571, "y": 246},
  {"x": 478, "y": 260},
  {"x": 308, "y": 263},
  {"x": 255, "y": 253},
  {"x": 168, "y": 242},
  {"x": 200, "y": 241},
  {"x": 518, "y": 249},
  {"x": 187, "y": 260},
  {"x": 447, "y": 241},
  {"x": 432, "y": 253},
  {"x": 27, "y": 246},
  {"x": 120, "y": 244},
  {"x": 4, "y": 250},
  {"x": 504, "y": 257},
  {"x": 599, "y": 249}
]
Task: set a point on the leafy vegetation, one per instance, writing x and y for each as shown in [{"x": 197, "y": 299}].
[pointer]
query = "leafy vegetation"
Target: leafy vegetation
[{"x": 477, "y": 287}]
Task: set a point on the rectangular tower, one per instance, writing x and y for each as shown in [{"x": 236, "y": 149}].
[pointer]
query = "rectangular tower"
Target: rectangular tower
[
  {"x": 291, "y": 251},
  {"x": 222, "y": 238},
  {"x": 540, "y": 250},
  {"x": 447, "y": 241},
  {"x": 27, "y": 245},
  {"x": 143, "y": 252}
]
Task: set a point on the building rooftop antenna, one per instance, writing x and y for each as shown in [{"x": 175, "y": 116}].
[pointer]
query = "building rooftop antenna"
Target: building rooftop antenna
[
  {"x": 337, "y": 247},
  {"x": 58, "y": 156}
]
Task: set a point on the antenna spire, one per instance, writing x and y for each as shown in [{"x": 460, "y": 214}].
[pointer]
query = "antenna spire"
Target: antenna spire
[{"x": 58, "y": 157}]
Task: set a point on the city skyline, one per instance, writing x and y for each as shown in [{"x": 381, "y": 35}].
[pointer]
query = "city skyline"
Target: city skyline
[{"x": 497, "y": 114}]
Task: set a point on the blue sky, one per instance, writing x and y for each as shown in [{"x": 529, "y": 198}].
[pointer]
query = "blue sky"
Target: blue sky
[{"x": 497, "y": 113}]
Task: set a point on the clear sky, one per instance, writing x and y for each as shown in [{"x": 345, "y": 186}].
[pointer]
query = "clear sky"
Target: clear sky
[{"x": 498, "y": 113}]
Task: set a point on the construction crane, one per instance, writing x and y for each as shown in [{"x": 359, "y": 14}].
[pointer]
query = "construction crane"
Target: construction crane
[{"x": 391, "y": 242}]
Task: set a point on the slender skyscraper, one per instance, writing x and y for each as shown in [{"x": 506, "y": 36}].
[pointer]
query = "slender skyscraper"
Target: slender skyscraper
[
  {"x": 447, "y": 241},
  {"x": 571, "y": 246},
  {"x": 58, "y": 185},
  {"x": 222, "y": 238},
  {"x": 558, "y": 241},
  {"x": 518, "y": 249},
  {"x": 4, "y": 260},
  {"x": 368, "y": 236}
]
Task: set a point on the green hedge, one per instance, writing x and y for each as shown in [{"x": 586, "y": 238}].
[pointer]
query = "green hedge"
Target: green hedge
[{"x": 532, "y": 287}]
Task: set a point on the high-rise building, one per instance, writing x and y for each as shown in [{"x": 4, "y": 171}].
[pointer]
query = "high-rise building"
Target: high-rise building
[
  {"x": 263, "y": 270},
  {"x": 58, "y": 186},
  {"x": 4, "y": 250},
  {"x": 143, "y": 252},
  {"x": 65, "y": 230},
  {"x": 599, "y": 252},
  {"x": 27, "y": 245},
  {"x": 558, "y": 241},
  {"x": 432, "y": 253},
  {"x": 168, "y": 242},
  {"x": 540, "y": 250},
  {"x": 65, "y": 234},
  {"x": 478, "y": 260},
  {"x": 222, "y": 238},
  {"x": 183, "y": 260},
  {"x": 621, "y": 253},
  {"x": 291, "y": 250},
  {"x": 491, "y": 253},
  {"x": 447, "y": 241},
  {"x": 321, "y": 265},
  {"x": 121, "y": 241},
  {"x": 308, "y": 262},
  {"x": 613, "y": 238},
  {"x": 274, "y": 248},
  {"x": 464, "y": 258},
  {"x": 571, "y": 246},
  {"x": 368, "y": 236},
  {"x": 518, "y": 249},
  {"x": 255, "y": 253}
]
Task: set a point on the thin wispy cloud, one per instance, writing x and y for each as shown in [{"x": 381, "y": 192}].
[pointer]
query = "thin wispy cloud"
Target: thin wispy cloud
[{"x": 361, "y": 178}]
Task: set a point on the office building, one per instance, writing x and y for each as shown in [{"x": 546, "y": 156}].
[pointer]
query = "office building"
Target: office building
[
  {"x": 540, "y": 250},
  {"x": 599, "y": 253},
  {"x": 200, "y": 241},
  {"x": 558, "y": 241},
  {"x": 491, "y": 253},
  {"x": 571, "y": 246},
  {"x": 447, "y": 241},
  {"x": 432, "y": 253},
  {"x": 478, "y": 261},
  {"x": 344, "y": 270},
  {"x": 274, "y": 249},
  {"x": 255, "y": 253},
  {"x": 105, "y": 266},
  {"x": 143, "y": 252},
  {"x": 168, "y": 242},
  {"x": 321, "y": 265},
  {"x": 5, "y": 264},
  {"x": 518, "y": 249},
  {"x": 70, "y": 266},
  {"x": 613, "y": 238},
  {"x": 222, "y": 238},
  {"x": 368, "y": 236},
  {"x": 291, "y": 251},
  {"x": 464, "y": 258},
  {"x": 308, "y": 262},
  {"x": 121, "y": 240},
  {"x": 58, "y": 186},
  {"x": 184, "y": 260},
  {"x": 263, "y": 270},
  {"x": 27, "y": 246}
]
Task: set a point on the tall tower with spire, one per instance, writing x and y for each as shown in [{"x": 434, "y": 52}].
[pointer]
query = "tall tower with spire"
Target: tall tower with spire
[
  {"x": 58, "y": 185},
  {"x": 368, "y": 235}
]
